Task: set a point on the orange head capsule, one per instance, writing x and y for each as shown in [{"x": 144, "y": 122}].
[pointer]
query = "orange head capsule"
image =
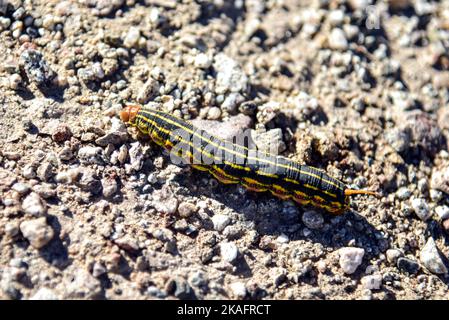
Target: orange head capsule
[{"x": 128, "y": 114}]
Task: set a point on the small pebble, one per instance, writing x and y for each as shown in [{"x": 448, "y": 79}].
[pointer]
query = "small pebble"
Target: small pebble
[
  {"x": 148, "y": 91},
  {"x": 421, "y": 208},
  {"x": 4, "y": 23},
  {"x": 431, "y": 259},
  {"x": 393, "y": 255},
  {"x": 90, "y": 154},
  {"x": 28, "y": 172},
  {"x": 45, "y": 171},
  {"x": 282, "y": 238},
  {"x": 313, "y": 219},
  {"x": 98, "y": 270},
  {"x": 12, "y": 228},
  {"x": 186, "y": 209},
  {"x": 220, "y": 221},
  {"x": 109, "y": 187},
  {"x": 132, "y": 37},
  {"x": 442, "y": 212},
  {"x": 36, "y": 67},
  {"x": 44, "y": 294},
  {"x": 21, "y": 188},
  {"x": 229, "y": 251},
  {"x": 336, "y": 17},
  {"x": 321, "y": 266},
  {"x": 61, "y": 133},
  {"x": 372, "y": 282},
  {"x": 403, "y": 193},
  {"x": 238, "y": 289},
  {"x": 350, "y": 258},
  {"x": 37, "y": 232},
  {"x": 435, "y": 195},
  {"x": 127, "y": 243},
  {"x": 14, "y": 81},
  {"x": 214, "y": 113},
  {"x": 408, "y": 265},
  {"x": 230, "y": 76},
  {"x": 34, "y": 205},
  {"x": 337, "y": 39},
  {"x": 202, "y": 61}
]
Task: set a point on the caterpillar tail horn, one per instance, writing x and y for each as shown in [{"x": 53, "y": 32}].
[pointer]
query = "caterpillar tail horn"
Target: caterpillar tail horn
[{"x": 351, "y": 192}]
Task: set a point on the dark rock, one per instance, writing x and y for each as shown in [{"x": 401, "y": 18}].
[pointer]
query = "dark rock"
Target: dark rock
[{"x": 407, "y": 265}]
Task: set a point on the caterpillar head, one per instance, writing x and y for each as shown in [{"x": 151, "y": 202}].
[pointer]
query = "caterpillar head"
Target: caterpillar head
[{"x": 128, "y": 114}]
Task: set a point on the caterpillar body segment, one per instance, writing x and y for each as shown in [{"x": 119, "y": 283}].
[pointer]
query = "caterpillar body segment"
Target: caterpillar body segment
[{"x": 231, "y": 163}]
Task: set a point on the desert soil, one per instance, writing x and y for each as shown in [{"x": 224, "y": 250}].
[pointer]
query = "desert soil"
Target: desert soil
[{"x": 89, "y": 209}]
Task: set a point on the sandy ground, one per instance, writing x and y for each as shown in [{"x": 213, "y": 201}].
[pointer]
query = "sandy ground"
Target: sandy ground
[{"x": 91, "y": 210}]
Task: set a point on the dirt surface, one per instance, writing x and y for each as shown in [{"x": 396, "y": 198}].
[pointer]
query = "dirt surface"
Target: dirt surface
[{"x": 91, "y": 210}]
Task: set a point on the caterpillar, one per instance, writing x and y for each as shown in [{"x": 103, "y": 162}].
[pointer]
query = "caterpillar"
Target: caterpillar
[{"x": 232, "y": 163}]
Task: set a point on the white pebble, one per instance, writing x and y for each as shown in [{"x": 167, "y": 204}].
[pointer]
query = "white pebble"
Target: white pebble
[
  {"x": 229, "y": 251},
  {"x": 12, "y": 228},
  {"x": 421, "y": 208},
  {"x": 372, "y": 282},
  {"x": 337, "y": 40},
  {"x": 214, "y": 113},
  {"x": 132, "y": 37},
  {"x": 220, "y": 221},
  {"x": 283, "y": 238},
  {"x": 442, "y": 212},
  {"x": 238, "y": 289},
  {"x": 44, "y": 294},
  {"x": 90, "y": 154},
  {"x": 230, "y": 76},
  {"x": 403, "y": 193},
  {"x": 4, "y": 23},
  {"x": 28, "y": 172},
  {"x": 33, "y": 205},
  {"x": 336, "y": 17},
  {"x": 14, "y": 81},
  {"x": 313, "y": 219},
  {"x": 350, "y": 258},
  {"x": 202, "y": 61},
  {"x": 37, "y": 232},
  {"x": 393, "y": 255},
  {"x": 21, "y": 188}
]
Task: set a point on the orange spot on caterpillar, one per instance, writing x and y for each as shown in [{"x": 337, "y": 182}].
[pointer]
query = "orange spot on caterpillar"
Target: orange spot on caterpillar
[{"x": 128, "y": 114}]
